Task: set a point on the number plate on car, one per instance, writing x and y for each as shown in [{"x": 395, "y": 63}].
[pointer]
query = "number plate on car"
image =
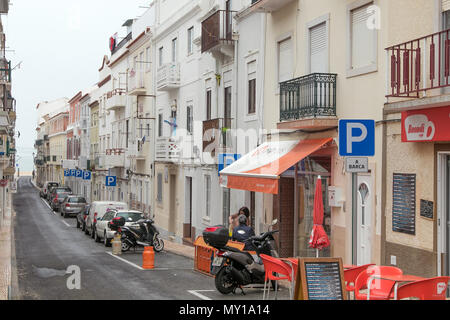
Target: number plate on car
[{"x": 217, "y": 262}]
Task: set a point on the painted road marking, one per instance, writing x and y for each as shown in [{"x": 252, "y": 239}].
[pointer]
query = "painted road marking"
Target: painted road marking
[
  {"x": 48, "y": 206},
  {"x": 65, "y": 223},
  {"x": 135, "y": 265},
  {"x": 201, "y": 296},
  {"x": 126, "y": 261}
]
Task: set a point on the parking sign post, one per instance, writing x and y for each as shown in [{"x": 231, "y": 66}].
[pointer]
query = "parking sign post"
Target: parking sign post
[{"x": 356, "y": 139}]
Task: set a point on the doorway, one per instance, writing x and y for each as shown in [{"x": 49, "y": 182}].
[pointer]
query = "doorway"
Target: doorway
[
  {"x": 443, "y": 216},
  {"x": 364, "y": 215},
  {"x": 172, "y": 213},
  {"x": 187, "y": 232}
]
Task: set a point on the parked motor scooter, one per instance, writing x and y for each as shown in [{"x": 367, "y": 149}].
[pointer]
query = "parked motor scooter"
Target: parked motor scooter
[
  {"x": 234, "y": 268},
  {"x": 143, "y": 233}
]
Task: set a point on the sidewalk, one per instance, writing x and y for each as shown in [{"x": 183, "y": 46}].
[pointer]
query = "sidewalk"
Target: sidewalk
[{"x": 5, "y": 255}]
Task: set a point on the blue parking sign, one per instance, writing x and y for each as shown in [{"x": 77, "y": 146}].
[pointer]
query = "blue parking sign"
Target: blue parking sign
[
  {"x": 79, "y": 173},
  {"x": 73, "y": 173},
  {"x": 356, "y": 138},
  {"x": 226, "y": 159},
  {"x": 87, "y": 175},
  {"x": 111, "y": 181},
  {"x": 67, "y": 173}
]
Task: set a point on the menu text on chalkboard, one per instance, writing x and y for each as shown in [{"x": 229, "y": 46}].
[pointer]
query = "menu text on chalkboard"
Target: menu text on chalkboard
[{"x": 320, "y": 279}]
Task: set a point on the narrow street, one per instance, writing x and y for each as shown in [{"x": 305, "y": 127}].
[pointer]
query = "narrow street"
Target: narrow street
[{"x": 47, "y": 245}]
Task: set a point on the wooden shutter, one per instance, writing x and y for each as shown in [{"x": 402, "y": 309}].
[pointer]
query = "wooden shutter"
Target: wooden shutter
[
  {"x": 285, "y": 71},
  {"x": 404, "y": 203},
  {"x": 318, "y": 44}
]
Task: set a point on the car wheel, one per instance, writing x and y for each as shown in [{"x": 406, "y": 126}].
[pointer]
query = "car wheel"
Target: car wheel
[
  {"x": 106, "y": 241},
  {"x": 96, "y": 237},
  {"x": 78, "y": 224},
  {"x": 93, "y": 233},
  {"x": 86, "y": 231},
  {"x": 83, "y": 227}
]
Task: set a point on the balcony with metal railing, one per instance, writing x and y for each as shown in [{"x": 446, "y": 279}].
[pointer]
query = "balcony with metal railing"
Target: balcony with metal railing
[
  {"x": 136, "y": 83},
  {"x": 415, "y": 67},
  {"x": 168, "y": 77},
  {"x": 308, "y": 102},
  {"x": 116, "y": 99},
  {"x": 217, "y": 32},
  {"x": 115, "y": 158},
  {"x": 167, "y": 150}
]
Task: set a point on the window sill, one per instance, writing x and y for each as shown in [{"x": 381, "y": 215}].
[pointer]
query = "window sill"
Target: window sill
[{"x": 361, "y": 71}]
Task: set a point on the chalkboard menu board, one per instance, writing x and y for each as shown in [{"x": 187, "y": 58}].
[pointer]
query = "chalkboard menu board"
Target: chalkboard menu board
[
  {"x": 320, "y": 279},
  {"x": 426, "y": 209}
]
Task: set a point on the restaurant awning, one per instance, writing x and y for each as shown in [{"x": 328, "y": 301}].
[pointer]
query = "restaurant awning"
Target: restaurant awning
[{"x": 260, "y": 170}]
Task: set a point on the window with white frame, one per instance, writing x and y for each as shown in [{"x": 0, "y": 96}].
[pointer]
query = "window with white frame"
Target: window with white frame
[
  {"x": 160, "y": 125},
  {"x": 189, "y": 119},
  {"x": 148, "y": 59},
  {"x": 207, "y": 195},
  {"x": 362, "y": 39},
  {"x": 285, "y": 60},
  {"x": 190, "y": 40},
  {"x": 160, "y": 56},
  {"x": 251, "y": 69},
  {"x": 174, "y": 49}
]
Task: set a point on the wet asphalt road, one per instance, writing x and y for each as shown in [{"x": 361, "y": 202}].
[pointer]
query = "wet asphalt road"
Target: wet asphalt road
[{"x": 46, "y": 245}]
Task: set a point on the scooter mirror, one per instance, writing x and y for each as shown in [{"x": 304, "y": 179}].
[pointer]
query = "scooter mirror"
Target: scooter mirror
[{"x": 274, "y": 222}]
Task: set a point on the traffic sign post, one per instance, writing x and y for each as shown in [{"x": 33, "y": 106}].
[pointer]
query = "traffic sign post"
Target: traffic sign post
[
  {"x": 356, "y": 140},
  {"x": 111, "y": 181},
  {"x": 357, "y": 164}
]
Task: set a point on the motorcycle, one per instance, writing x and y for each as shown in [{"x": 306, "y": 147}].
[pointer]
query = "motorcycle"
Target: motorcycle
[
  {"x": 143, "y": 233},
  {"x": 233, "y": 268}
]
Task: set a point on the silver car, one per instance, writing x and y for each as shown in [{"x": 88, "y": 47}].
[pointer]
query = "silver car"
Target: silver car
[{"x": 72, "y": 206}]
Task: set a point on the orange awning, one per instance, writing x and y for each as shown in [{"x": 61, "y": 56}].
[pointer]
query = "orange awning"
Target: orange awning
[{"x": 260, "y": 170}]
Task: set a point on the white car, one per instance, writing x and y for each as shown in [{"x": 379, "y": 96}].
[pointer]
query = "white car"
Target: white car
[
  {"x": 98, "y": 210},
  {"x": 102, "y": 231}
]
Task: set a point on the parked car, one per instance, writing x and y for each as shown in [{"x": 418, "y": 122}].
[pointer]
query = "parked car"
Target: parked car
[
  {"x": 103, "y": 232},
  {"x": 72, "y": 205},
  {"x": 98, "y": 210},
  {"x": 81, "y": 218},
  {"x": 45, "y": 189},
  {"x": 58, "y": 195}
]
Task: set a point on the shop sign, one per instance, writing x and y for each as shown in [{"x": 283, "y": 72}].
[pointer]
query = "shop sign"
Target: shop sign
[
  {"x": 357, "y": 165},
  {"x": 426, "y": 125}
]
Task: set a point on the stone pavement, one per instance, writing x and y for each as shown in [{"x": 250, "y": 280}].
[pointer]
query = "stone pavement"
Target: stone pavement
[{"x": 5, "y": 253}]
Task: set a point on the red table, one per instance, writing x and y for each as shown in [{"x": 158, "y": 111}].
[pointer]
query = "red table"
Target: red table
[{"x": 396, "y": 278}]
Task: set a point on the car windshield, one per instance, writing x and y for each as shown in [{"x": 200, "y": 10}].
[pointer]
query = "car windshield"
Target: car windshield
[
  {"x": 77, "y": 200},
  {"x": 130, "y": 216}
]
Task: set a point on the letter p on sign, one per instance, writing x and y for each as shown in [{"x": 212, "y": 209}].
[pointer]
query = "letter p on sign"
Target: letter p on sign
[{"x": 357, "y": 138}]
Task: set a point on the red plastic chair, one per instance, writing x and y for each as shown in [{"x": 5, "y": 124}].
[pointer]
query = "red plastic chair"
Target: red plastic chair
[
  {"x": 429, "y": 289},
  {"x": 351, "y": 274},
  {"x": 381, "y": 289},
  {"x": 275, "y": 270}
]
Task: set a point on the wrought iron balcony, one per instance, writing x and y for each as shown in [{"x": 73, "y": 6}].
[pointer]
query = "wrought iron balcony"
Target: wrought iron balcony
[
  {"x": 311, "y": 96},
  {"x": 419, "y": 65},
  {"x": 217, "y": 29}
]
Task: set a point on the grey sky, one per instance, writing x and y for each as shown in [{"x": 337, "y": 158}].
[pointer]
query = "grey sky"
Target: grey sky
[{"x": 61, "y": 44}]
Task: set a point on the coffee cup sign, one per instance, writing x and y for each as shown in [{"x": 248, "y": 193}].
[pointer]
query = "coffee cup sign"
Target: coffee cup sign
[
  {"x": 419, "y": 128},
  {"x": 426, "y": 125}
]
